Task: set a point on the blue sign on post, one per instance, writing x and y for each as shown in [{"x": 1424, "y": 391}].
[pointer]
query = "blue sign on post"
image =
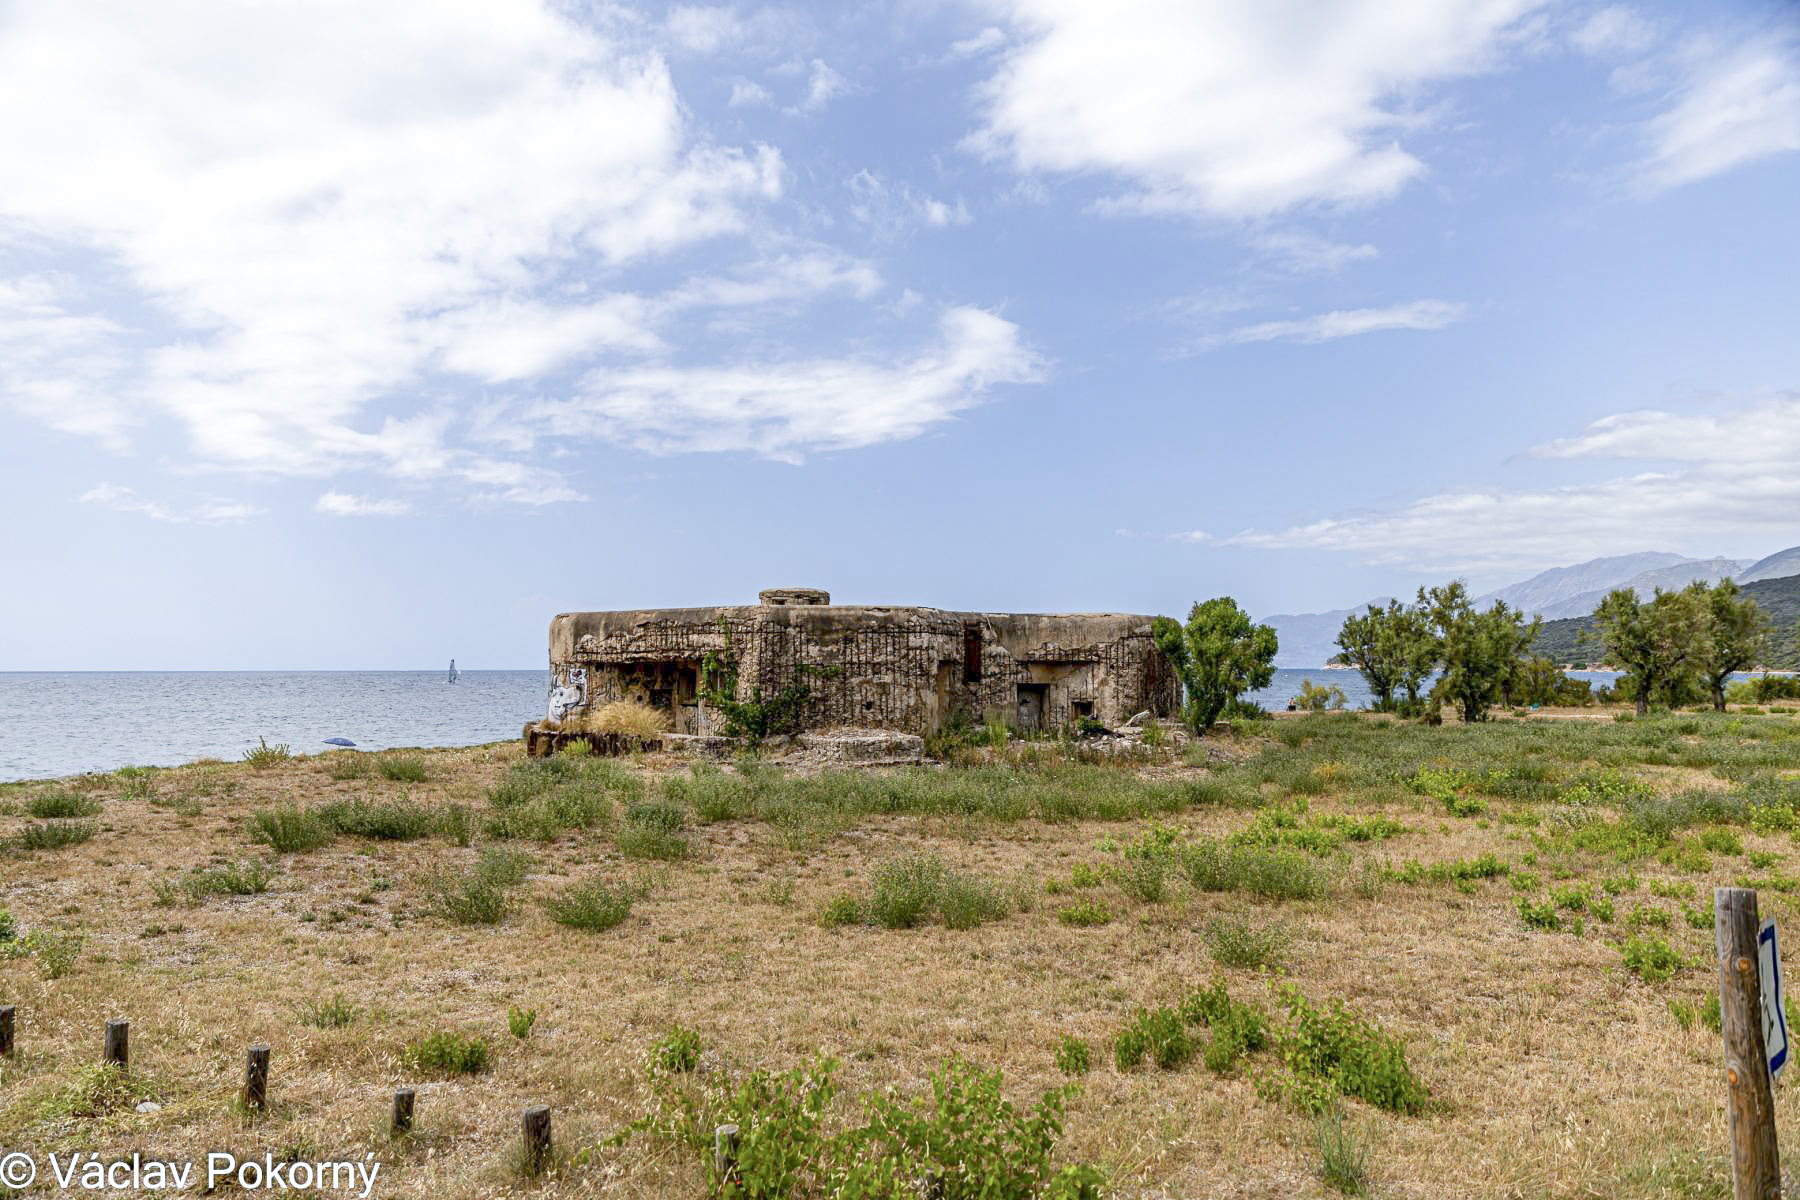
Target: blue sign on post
[{"x": 1774, "y": 1014}]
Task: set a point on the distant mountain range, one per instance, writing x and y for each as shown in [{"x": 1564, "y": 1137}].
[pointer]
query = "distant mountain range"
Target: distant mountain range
[{"x": 1564, "y": 594}]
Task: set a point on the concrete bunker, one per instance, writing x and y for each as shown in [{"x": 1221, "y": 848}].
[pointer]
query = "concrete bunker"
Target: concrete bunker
[{"x": 902, "y": 668}]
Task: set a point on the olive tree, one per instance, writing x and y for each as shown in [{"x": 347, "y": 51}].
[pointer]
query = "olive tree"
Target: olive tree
[
  {"x": 1480, "y": 651},
  {"x": 1656, "y": 641},
  {"x": 1393, "y": 647},
  {"x": 1218, "y": 655}
]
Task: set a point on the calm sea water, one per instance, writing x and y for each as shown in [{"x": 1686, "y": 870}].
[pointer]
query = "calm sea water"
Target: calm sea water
[
  {"x": 63, "y": 723},
  {"x": 55, "y": 724}
]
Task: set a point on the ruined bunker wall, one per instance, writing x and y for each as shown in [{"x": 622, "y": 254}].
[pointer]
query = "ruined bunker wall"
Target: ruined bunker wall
[{"x": 894, "y": 668}]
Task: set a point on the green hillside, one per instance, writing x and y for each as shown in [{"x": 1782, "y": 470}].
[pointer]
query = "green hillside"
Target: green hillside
[{"x": 1574, "y": 639}]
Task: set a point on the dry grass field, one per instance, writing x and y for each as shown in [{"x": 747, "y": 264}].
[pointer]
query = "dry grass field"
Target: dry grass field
[{"x": 1524, "y": 905}]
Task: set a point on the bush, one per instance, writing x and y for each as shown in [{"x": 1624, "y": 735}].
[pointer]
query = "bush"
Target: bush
[
  {"x": 390, "y": 820},
  {"x": 1237, "y": 1028},
  {"x": 653, "y": 830},
  {"x": 290, "y": 829},
  {"x": 1161, "y": 1035},
  {"x": 677, "y": 1051},
  {"x": 456, "y": 1053},
  {"x": 843, "y": 909},
  {"x": 965, "y": 902},
  {"x": 1272, "y": 872},
  {"x": 1315, "y": 697},
  {"x": 1072, "y": 1056},
  {"x": 1237, "y": 943},
  {"x": 481, "y": 895},
  {"x": 905, "y": 890},
  {"x": 520, "y": 1020},
  {"x": 51, "y": 835},
  {"x": 347, "y": 765},
  {"x": 232, "y": 879},
  {"x": 1084, "y": 913},
  {"x": 402, "y": 768},
  {"x": 1651, "y": 959},
  {"x": 595, "y": 905},
  {"x": 263, "y": 755},
  {"x": 1349, "y": 1052},
  {"x": 62, "y": 803}
]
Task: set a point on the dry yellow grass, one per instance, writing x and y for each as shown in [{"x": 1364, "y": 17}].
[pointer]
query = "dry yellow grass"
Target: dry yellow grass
[
  {"x": 1554, "y": 1072},
  {"x": 627, "y": 717}
]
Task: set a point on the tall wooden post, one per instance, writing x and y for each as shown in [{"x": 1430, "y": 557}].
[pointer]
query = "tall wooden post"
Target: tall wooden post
[
  {"x": 6, "y": 1029},
  {"x": 118, "y": 1043},
  {"x": 403, "y": 1110},
  {"x": 1749, "y": 1102}
]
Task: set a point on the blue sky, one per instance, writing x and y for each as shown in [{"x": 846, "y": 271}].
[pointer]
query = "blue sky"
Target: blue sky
[{"x": 356, "y": 334}]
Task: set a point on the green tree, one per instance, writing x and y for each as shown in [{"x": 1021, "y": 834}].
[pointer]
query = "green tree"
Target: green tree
[
  {"x": 1481, "y": 652},
  {"x": 1737, "y": 633},
  {"x": 1393, "y": 647},
  {"x": 1218, "y": 655},
  {"x": 1656, "y": 642}
]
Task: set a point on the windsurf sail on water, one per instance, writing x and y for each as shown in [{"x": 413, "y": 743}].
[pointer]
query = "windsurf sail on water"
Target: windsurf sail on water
[{"x": 453, "y": 670}]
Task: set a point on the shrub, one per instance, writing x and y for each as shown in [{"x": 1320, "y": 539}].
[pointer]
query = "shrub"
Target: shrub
[
  {"x": 1084, "y": 913},
  {"x": 1072, "y": 1055},
  {"x": 1315, "y": 697},
  {"x": 62, "y": 803},
  {"x": 51, "y": 835},
  {"x": 520, "y": 1020},
  {"x": 843, "y": 909},
  {"x": 402, "y": 768},
  {"x": 1538, "y": 916},
  {"x": 334, "y": 1013},
  {"x": 905, "y": 890},
  {"x": 677, "y": 1051},
  {"x": 595, "y": 905},
  {"x": 1272, "y": 872},
  {"x": 263, "y": 755},
  {"x": 232, "y": 879},
  {"x": 55, "y": 951},
  {"x": 290, "y": 829},
  {"x": 1161, "y": 1035},
  {"x": 390, "y": 820},
  {"x": 1651, "y": 959},
  {"x": 481, "y": 895},
  {"x": 1350, "y": 1052},
  {"x": 1237, "y": 1028},
  {"x": 8, "y": 930},
  {"x": 1237, "y": 943},
  {"x": 965, "y": 902},
  {"x": 653, "y": 830},
  {"x": 455, "y": 1053}
]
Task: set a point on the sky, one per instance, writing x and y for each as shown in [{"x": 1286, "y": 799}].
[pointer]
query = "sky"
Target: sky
[{"x": 365, "y": 334}]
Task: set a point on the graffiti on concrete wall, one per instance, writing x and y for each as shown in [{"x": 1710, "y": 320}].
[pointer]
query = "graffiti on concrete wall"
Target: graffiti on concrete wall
[{"x": 570, "y": 694}]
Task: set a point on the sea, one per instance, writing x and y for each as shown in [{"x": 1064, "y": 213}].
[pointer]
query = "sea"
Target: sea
[{"x": 65, "y": 723}]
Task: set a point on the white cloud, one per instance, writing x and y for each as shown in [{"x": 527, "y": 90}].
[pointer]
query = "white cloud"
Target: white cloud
[
  {"x": 318, "y": 211},
  {"x": 1736, "y": 105},
  {"x": 745, "y": 94},
  {"x": 786, "y": 410},
  {"x": 985, "y": 42},
  {"x": 889, "y": 210},
  {"x": 1234, "y": 109},
  {"x": 823, "y": 85},
  {"x": 704, "y": 29},
  {"x": 1734, "y": 481},
  {"x": 208, "y": 512},
  {"x": 1615, "y": 30},
  {"x": 1308, "y": 253},
  {"x": 1419, "y": 314},
  {"x": 343, "y": 504}
]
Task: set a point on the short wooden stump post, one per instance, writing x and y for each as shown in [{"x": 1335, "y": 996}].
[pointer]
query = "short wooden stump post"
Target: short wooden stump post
[
  {"x": 725, "y": 1152},
  {"x": 118, "y": 1044},
  {"x": 403, "y": 1110},
  {"x": 6, "y": 1029},
  {"x": 256, "y": 1078},
  {"x": 536, "y": 1129},
  {"x": 1749, "y": 1100}
]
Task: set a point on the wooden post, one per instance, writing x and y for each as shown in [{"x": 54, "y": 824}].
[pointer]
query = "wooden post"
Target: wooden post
[
  {"x": 725, "y": 1152},
  {"x": 118, "y": 1043},
  {"x": 403, "y": 1110},
  {"x": 536, "y": 1127},
  {"x": 1749, "y": 1103},
  {"x": 256, "y": 1078},
  {"x": 6, "y": 1029}
]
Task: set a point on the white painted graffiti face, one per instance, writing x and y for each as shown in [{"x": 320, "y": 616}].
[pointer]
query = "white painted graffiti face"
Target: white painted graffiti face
[{"x": 570, "y": 694}]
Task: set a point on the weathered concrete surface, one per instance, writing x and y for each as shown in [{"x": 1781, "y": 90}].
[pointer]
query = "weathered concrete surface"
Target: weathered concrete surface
[{"x": 893, "y": 668}]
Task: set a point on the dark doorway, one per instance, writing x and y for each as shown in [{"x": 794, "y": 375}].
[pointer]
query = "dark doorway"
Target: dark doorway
[{"x": 1034, "y": 700}]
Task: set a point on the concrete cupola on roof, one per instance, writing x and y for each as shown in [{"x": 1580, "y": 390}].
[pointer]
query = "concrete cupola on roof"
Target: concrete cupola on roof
[{"x": 904, "y": 668}]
